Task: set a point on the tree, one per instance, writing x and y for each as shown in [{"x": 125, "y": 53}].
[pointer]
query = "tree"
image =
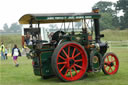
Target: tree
[
  {"x": 106, "y": 21},
  {"x": 6, "y": 28},
  {"x": 109, "y": 19},
  {"x": 104, "y": 6},
  {"x": 123, "y": 5},
  {"x": 15, "y": 27}
]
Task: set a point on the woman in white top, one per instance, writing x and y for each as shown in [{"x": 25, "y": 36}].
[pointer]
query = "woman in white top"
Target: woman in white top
[{"x": 15, "y": 53}]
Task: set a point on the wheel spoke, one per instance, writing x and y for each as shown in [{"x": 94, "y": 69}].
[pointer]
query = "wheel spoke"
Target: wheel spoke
[
  {"x": 73, "y": 52},
  {"x": 111, "y": 58},
  {"x": 78, "y": 66},
  {"x": 68, "y": 50},
  {"x": 62, "y": 63},
  {"x": 77, "y": 55},
  {"x": 65, "y": 53},
  {"x": 75, "y": 69},
  {"x": 70, "y": 72},
  {"x": 78, "y": 60},
  {"x": 66, "y": 72},
  {"x": 109, "y": 68},
  {"x": 105, "y": 66},
  {"x": 106, "y": 63},
  {"x": 62, "y": 68},
  {"x": 108, "y": 58},
  {"x": 62, "y": 57}
]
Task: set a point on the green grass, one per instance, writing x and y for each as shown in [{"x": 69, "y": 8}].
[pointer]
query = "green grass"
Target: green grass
[
  {"x": 23, "y": 75},
  {"x": 10, "y": 40},
  {"x": 115, "y": 35}
]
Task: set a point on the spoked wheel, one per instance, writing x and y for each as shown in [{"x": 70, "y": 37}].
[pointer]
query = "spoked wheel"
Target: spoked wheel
[
  {"x": 111, "y": 64},
  {"x": 69, "y": 61}
]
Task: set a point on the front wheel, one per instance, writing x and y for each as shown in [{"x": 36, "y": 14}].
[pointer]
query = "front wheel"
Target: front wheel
[
  {"x": 110, "y": 64},
  {"x": 69, "y": 61}
]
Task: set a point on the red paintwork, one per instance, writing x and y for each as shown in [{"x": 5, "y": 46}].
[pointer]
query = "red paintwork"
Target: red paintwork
[
  {"x": 66, "y": 62},
  {"x": 108, "y": 68}
]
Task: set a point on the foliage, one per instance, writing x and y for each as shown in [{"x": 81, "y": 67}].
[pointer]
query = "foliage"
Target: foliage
[
  {"x": 6, "y": 28},
  {"x": 123, "y": 5},
  {"x": 109, "y": 19},
  {"x": 106, "y": 21},
  {"x": 15, "y": 28},
  {"x": 104, "y": 6}
]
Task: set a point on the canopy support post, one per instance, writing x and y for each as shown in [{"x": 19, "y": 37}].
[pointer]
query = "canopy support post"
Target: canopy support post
[{"x": 72, "y": 29}]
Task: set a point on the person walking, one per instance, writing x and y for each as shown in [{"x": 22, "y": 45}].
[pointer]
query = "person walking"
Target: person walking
[
  {"x": 2, "y": 50},
  {"x": 15, "y": 53}
]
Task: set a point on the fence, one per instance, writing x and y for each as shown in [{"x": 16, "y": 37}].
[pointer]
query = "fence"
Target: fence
[{"x": 118, "y": 44}]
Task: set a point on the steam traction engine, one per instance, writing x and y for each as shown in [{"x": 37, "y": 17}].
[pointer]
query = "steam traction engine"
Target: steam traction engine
[{"x": 68, "y": 52}]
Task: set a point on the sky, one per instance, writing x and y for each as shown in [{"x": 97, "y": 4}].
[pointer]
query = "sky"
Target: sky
[{"x": 12, "y": 10}]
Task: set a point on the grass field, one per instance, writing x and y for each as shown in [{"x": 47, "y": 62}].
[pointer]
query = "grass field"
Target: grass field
[
  {"x": 23, "y": 75},
  {"x": 10, "y": 40},
  {"x": 115, "y": 35}
]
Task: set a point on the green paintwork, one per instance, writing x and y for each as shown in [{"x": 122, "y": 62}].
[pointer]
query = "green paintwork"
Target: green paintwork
[
  {"x": 46, "y": 62},
  {"x": 80, "y": 38},
  {"x": 45, "y": 57},
  {"x": 43, "y": 63},
  {"x": 99, "y": 56},
  {"x": 36, "y": 68},
  {"x": 57, "y": 17},
  {"x": 64, "y": 17}
]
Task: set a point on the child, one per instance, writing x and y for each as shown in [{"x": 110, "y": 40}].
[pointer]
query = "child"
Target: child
[{"x": 15, "y": 53}]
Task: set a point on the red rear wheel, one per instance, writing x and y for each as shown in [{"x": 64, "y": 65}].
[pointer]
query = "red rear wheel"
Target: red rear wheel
[
  {"x": 69, "y": 61},
  {"x": 111, "y": 64}
]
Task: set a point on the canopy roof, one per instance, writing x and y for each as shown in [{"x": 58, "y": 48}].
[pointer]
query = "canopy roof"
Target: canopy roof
[{"x": 56, "y": 17}]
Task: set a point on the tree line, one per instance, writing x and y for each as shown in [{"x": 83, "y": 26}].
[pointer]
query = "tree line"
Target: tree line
[
  {"x": 109, "y": 14},
  {"x": 14, "y": 28}
]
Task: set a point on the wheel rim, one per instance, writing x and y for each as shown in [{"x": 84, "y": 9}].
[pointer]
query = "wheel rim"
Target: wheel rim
[
  {"x": 111, "y": 64},
  {"x": 72, "y": 62}
]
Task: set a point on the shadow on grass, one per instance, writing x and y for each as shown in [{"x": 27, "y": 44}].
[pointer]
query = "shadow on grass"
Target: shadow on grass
[
  {"x": 49, "y": 80},
  {"x": 87, "y": 77}
]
